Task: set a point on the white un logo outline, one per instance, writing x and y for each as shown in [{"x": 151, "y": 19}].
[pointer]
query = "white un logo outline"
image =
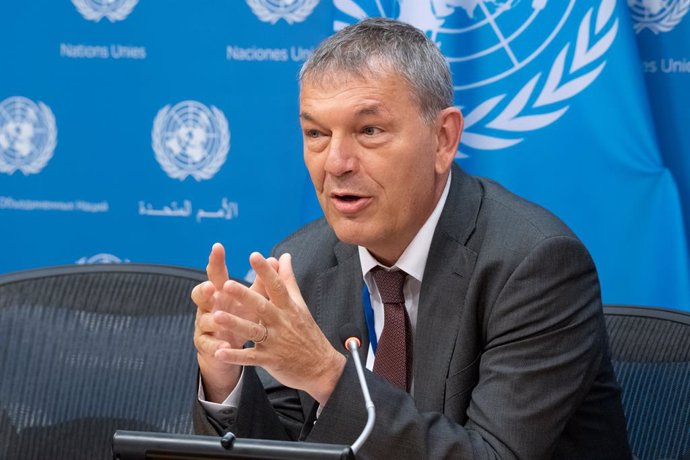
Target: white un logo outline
[
  {"x": 504, "y": 119},
  {"x": 101, "y": 258},
  {"x": 290, "y": 10},
  {"x": 114, "y": 10},
  {"x": 656, "y": 16},
  {"x": 28, "y": 135},
  {"x": 190, "y": 139}
]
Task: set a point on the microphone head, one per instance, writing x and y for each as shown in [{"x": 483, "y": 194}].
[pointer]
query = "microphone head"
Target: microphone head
[{"x": 349, "y": 332}]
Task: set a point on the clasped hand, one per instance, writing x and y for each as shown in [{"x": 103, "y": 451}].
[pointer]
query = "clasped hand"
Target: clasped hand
[{"x": 294, "y": 350}]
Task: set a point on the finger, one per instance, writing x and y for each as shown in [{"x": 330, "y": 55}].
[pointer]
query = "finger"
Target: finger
[
  {"x": 274, "y": 286},
  {"x": 216, "y": 269},
  {"x": 287, "y": 275},
  {"x": 273, "y": 262},
  {"x": 202, "y": 295},
  {"x": 258, "y": 285},
  {"x": 250, "y": 304},
  {"x": 241, "y": 327},
  {"x": 208, "y": 345},
  {"x": 205, "y": 324},
  {"x": 238, "y": 356}
]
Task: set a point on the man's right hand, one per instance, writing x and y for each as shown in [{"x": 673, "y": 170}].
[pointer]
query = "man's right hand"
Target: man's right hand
[{"x": 218, "y": 378}]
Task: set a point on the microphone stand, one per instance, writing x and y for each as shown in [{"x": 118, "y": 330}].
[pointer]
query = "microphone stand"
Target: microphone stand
[{"x": 353, "y": 345}]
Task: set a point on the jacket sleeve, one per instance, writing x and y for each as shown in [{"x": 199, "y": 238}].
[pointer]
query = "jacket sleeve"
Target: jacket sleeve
[{"x": 267, "y": 410}]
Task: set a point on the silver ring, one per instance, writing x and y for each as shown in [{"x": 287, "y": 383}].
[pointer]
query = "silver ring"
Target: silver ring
[{"x": 265, "y": 336}]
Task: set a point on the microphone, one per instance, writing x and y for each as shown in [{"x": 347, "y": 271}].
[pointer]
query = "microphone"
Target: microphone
[{"x": 349, "y": 336}]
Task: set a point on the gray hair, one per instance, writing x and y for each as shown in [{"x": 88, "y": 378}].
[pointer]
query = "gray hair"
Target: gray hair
[{"x": 378, "y": 45}]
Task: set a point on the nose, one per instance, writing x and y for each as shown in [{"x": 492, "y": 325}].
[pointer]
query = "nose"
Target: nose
[{"x": 341, "y": 157}]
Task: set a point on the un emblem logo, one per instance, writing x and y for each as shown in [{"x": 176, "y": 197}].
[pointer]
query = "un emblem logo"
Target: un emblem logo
[
  {"x": 102, "y": 258},
  {"x": 28, "y": 135},
  {"x": 657, "y": 15},
  {"x": 114, "y": 10},
  {"x": 539, "y": 47},
  {"x": 290, "y": 10},
  {"x": 190, "y": 139}
]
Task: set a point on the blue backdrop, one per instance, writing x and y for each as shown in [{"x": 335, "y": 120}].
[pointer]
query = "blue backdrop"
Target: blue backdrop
[{"x": 144, "y": 131}]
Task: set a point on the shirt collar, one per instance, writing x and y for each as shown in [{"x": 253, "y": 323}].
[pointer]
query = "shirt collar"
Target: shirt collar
[{"x": 413, "y": 259}]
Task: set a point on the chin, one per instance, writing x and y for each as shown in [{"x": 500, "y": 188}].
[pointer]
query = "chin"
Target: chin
[{"x": 349, "y": 232}]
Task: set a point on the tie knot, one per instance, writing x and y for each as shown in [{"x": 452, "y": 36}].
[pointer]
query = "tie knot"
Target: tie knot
[{"x": 390, "y": 284}]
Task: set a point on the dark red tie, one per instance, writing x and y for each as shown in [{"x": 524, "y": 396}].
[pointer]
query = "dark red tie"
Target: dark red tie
[{"x": 394, "y": 352}]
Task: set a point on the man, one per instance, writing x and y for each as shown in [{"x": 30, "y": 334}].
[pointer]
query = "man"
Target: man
[{"x": 500, "y": 349}]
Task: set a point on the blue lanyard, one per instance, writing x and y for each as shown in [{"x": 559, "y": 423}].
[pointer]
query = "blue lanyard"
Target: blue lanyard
[{"x": 369, "y": 316}]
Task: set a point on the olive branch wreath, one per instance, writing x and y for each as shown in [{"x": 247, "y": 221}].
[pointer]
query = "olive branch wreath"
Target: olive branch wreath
[
  {"x": 668, "y": 22},
  {"x": 561, "y": 84},
  {"x": 298, "y": 15},
  {"x": 93, "y": 14}
]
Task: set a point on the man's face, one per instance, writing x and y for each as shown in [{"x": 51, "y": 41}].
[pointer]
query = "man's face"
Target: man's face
[{"x": 372, "y": 159}]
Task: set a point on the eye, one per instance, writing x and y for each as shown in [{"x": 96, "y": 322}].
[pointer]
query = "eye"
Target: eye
[
  {"x": 370, "y": 130},
  {"x": 312, "y": 133}
]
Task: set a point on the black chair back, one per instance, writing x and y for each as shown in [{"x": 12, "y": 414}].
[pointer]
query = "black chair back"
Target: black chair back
[
  {"x": 650, "y": 350},
  {"x": 89, "y": 349}
]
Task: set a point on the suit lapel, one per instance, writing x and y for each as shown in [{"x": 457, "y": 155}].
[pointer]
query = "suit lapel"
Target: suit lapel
[
  {"x": 340, "y": 298},
  {"x": 446, "y": 278},
  {"x": 337, "y": 301}
]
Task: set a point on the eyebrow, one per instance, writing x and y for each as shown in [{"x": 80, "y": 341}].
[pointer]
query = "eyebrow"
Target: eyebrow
[{"x": 374, "y": 109}]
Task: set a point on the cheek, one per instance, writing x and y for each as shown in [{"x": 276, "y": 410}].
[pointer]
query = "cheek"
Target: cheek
[
  {"x": 414, "y": 186},
  {"x": 315, "y": 168}
]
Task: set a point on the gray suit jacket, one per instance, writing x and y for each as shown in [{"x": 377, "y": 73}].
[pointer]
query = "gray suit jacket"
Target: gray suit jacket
[{"x": 510, "y": 349}]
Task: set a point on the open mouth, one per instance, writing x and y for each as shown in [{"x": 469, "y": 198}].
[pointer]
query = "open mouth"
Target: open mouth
[
  {"x": 347, "y": 203},
  {"x": 347, "y": 198}
]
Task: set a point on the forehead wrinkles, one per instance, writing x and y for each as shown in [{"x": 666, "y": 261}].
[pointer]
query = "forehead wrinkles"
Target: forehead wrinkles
[
  {"x": 334, "y": 110},
  {"x": 376, "y": 69},
  {"x": 360, "y": 97}
]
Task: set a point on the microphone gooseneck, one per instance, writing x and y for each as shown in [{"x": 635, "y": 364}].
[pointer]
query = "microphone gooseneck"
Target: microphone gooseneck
[{"x": 349, "y": 336}]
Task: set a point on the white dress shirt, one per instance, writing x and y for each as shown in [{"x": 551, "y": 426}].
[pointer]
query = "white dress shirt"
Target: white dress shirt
[{"x": 412, "y": 261}]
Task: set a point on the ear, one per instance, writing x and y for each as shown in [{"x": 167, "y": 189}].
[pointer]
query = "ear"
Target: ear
[{"x": 449, "y": 128}]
